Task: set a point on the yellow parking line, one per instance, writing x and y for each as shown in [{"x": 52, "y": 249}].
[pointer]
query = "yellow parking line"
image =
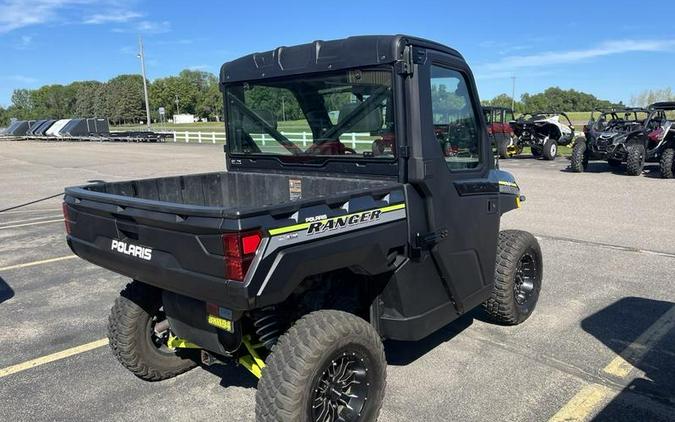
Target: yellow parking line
[
  {"x": 582, "y": 405},
  {"x": 30, "y": 224},
  {"x": 44, "y": 261},
  {"x": 621, "y": 366},
  {"x": 53, "y": 357}
]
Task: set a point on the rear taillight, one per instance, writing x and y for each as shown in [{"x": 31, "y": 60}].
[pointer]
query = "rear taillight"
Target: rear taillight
[
  {"x": 240, "y": 249},
  {"x": 66, "y": 217}
]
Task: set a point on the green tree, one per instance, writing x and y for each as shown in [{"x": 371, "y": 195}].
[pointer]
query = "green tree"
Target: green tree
[
  {"x": 196, "y": 91},
  {"x": 4, "y": 117},
  {"x": 556, "y": 99},
  {"x": 53, "y": 101},
  {"x": 125, "y": 102},
  {"x": 86, "y": 98},
  {"x": 22, "y": 104}
]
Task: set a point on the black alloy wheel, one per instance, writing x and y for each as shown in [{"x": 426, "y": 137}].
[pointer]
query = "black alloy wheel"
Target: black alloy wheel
[{"x": 341, "y": 390}]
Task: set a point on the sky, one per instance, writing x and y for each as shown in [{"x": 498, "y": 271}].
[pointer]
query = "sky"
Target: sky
[{"x": 613, "y": 49}]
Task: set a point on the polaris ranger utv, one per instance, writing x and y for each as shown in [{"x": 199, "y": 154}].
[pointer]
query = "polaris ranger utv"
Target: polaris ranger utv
[
  {"x": 606, "y": 137},
  {"x": 543, "y": 131},
  {"x": 499, "y": 128},
  {"x": 299, "y": 260}
]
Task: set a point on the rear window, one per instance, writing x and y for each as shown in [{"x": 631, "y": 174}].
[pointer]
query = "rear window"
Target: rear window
[{"x": 346, "y": 114}]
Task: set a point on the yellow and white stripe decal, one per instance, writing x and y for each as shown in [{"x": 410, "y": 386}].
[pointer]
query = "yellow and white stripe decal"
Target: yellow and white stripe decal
[
  {"x": 305, "y": 226},
  {"x": 505, "y": 183}
]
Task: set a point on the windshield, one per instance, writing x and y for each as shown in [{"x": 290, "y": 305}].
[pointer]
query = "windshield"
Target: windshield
[
  {"x": 348, "y": 114},
  {"x": 620, "y": 119},
  {"x": 660, "y": 117}
]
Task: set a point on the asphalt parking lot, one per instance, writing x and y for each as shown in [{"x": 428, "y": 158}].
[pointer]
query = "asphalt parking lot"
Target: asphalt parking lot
[{"x": 601, "y": 344}]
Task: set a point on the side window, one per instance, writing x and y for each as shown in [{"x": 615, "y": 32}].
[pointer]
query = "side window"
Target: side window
[
  {"x": 488, "y": 116},
  {"x": 455, "y": 123}
]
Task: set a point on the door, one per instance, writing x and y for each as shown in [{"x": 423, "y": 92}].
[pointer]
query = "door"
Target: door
[{"x": 461, "y": 204}]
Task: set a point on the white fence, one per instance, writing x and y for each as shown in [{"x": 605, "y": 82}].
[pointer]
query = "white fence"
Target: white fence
[{"x": 299, "y": 138}]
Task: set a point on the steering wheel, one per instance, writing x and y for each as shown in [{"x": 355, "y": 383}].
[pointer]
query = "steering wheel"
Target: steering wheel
[{"x": 349, "y": 150}]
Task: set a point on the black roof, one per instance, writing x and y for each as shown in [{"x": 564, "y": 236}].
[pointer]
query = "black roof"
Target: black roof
[
  {"x": 318, "y": 56},
  {"x": 664, "y": 105}
]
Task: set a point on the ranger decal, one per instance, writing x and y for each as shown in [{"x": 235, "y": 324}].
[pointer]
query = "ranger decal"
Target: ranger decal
[{"x": 343, "y": 221}]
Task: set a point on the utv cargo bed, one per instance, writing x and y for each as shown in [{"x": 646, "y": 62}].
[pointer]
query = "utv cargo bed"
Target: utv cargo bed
[{"x": 233, "y": 195}]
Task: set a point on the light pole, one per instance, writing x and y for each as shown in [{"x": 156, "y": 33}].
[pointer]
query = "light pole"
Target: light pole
[
  {"x": 177, "y": 107},
  {"x": 141, "y": 55},
  {"x": 513, "y": 93}
]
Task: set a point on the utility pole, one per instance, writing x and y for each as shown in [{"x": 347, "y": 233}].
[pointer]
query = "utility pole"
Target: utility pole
[
  {"x": 141, "y": 55},
  {"x": 283, "y": 108},
  {"x": 513, "y": 93},
  {"x": 177, "y": 106}
]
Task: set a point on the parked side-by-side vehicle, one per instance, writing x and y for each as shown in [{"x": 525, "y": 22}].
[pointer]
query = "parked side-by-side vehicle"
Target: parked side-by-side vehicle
[
  {"x": 298, "y": 261},
  {"x": 543, "y": 131},
  {"x": 632, "y": 136}
]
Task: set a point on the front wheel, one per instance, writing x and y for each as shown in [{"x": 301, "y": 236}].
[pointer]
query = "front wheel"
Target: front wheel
[
  {"x": 667, "y": 163},
  {"x": 579, "y": 159},
  {"x": 518, "y": 278},
  {"x": 550, "y": 149},
  {"x": 136, "y": 339},
  {"x": 635, "y": 159},
  {"x": 329, "y": 366}
]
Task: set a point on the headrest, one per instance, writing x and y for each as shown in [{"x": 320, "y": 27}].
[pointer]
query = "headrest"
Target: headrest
[{"x": 369, "y": 123}]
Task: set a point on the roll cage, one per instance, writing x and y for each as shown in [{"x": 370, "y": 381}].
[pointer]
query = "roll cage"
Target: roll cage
[
  {"x": 543, "y": 115},
  {"x": 611, "y": 118}
]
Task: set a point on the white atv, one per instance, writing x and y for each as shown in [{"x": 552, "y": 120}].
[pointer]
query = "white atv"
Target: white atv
[{"x": 543, "y": 132}]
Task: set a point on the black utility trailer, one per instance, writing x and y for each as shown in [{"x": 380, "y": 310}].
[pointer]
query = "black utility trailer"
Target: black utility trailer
[{"x": 297, "y": 261}]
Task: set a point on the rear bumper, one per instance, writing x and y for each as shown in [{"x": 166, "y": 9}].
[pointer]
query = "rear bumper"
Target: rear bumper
[{"x": 165, "y": 273}]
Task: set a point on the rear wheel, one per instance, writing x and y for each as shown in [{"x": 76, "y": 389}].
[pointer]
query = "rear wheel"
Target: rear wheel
[
  {"x": 579, "y": 159},
  {"x": 136, "y": 339},
  {"x": 667, "y": 163},
  {"x": 518, "y": 278},
  {"x": 550, "y": 149},
  {"x": 503, "y": 148},
  {"x": 635, "y": 160},
  {"x": 330, "y": 366}
]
